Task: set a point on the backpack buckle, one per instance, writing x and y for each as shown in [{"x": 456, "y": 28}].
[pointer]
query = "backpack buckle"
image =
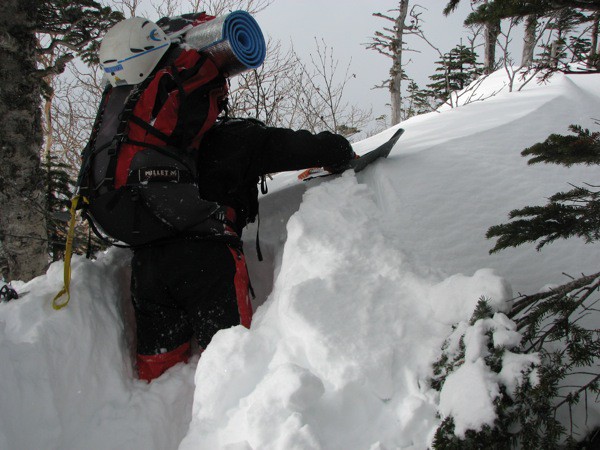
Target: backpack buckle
[{"x": 112, "y": 149}]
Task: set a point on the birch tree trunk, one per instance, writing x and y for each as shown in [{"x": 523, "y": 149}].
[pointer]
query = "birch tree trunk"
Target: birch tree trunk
[
  {"x": 396, "y": 72},
  {"x": 22, "y": 211}
]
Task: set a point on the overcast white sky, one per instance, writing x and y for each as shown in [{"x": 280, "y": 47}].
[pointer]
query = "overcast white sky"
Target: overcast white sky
[{"x": 347, "y": 24}]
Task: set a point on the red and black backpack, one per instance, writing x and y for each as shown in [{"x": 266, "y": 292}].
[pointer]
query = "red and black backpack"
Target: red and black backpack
[{"x": 138, "y": 175}]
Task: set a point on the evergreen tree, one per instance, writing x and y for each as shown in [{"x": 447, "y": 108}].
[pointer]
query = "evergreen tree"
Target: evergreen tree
[
  {"x": 567, "y": 214},
  {"x": 558, "y": 325},
  {"x": 580, "y": 49},
  {"x": 565, "y": 48},
  {"x": 457, "y": 69},
  {"x": 551, "y": 321},
  {"x": 417, "y": 100},
  {"x": 566, "y": 12},
  {"x": 28, "y": 30},
  {"x": 492, "y": 29},
  {"x": 502, "y": 9},
  {"x": 58, "y": 192},
  {"x": 514, "y": 410}
]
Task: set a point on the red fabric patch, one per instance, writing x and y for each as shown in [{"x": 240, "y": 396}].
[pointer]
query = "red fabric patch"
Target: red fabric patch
[
  {"x": 242, "y": 282},
  {"x": 152, "y": 366}
]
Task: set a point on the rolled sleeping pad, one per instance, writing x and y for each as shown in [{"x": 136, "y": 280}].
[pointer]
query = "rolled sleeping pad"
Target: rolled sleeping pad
[{"x": 234, "y": 42}]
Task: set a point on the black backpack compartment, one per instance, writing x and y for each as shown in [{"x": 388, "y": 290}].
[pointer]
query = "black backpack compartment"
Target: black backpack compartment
[
  {"x": 167, "y": 185},
  {"x": 121, "y": 215},
  {"x": 160, "y": 200}
]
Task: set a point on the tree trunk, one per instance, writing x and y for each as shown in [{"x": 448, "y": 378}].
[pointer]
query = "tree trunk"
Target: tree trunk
[
  {"x": 396, "y": 71},
  {"x": 595, "y": 48},
  {"x": 22, "y": 200},
  {"x": 529, "y": 41},
  {"x": 492, "y": 31},
  {"x": 554, "y": 52}
]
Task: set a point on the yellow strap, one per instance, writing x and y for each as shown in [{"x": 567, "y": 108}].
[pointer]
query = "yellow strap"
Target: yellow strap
[{"x": 68, "y": 252}]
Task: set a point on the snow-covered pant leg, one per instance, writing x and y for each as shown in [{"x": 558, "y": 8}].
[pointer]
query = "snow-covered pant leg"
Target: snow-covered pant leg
[
  {"x": 185, "y": 288},
  {"x": 161, "y": 324}
]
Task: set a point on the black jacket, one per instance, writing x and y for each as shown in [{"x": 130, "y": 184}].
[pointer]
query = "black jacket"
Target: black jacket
[{"x": 235, "y": 153}]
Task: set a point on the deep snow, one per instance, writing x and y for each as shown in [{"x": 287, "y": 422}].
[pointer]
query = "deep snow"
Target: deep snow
[{"x": 363, "y": 278}]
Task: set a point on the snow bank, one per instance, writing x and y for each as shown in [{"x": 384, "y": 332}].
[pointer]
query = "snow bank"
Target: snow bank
[
  {"x": 67, "y": 377},
  {"x": 338, "y": 356},
  {"x": 456, "y": 173}
]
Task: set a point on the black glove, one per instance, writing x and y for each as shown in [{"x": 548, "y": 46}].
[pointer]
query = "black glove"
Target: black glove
[{"x": 341, "y": 167}]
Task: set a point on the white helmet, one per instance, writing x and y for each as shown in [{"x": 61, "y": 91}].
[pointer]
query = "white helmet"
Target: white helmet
[{"x": 131, "y": 49}]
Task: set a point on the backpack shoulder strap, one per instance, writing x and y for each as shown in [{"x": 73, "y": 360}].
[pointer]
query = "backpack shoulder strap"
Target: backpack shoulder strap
[
  {"x": 86, "y": 153},
  {"x": 178, "y": 25}
]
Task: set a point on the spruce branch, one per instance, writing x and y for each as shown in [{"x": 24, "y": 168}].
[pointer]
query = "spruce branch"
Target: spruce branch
[
  {"x": 568, "y": 307},
  {"x": 569, "y": 398},
  {"x": 567, "y": 214},
  {"x": 560, "y": 291},
  {"x": 583, "y": 148}
]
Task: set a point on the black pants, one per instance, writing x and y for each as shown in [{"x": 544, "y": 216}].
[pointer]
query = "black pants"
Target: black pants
[{"x": 187, "y": 288}]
